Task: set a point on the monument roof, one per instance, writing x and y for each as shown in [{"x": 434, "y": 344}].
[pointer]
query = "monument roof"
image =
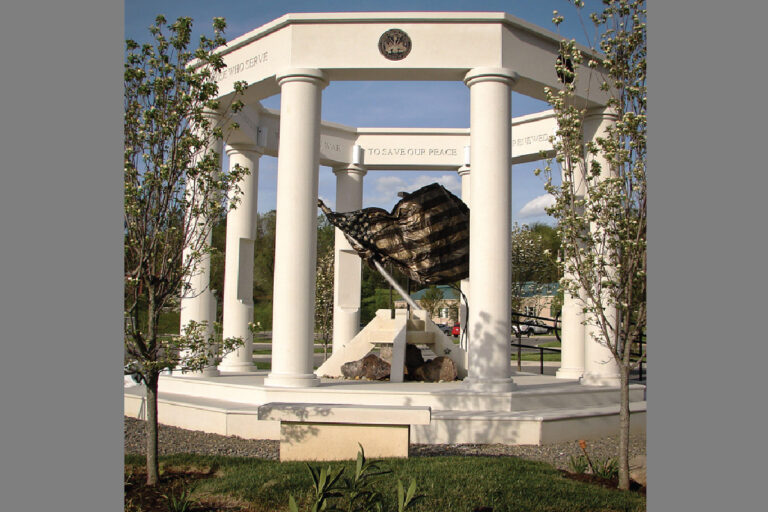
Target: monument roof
[{"x": 394, "y": 17}]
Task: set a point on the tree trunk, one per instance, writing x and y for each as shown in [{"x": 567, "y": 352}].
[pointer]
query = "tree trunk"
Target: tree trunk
[
  {"x": 152, "y": 463},
  {"x": 624, "y": 429}
]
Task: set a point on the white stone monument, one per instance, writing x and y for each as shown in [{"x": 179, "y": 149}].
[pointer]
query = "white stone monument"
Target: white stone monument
[{"x": 298, "y": 55}]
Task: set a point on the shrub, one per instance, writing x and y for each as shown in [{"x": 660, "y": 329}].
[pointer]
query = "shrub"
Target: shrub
[{"x": 357, "y": 494}]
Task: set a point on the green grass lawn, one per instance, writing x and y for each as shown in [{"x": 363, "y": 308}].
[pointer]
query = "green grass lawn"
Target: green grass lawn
[
  {"x": 535, "y": 356},
  {"x": 269, "y": 351},
  {"x": 449, "y": 484}
]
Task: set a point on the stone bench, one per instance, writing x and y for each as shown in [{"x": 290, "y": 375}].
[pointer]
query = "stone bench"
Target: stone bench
[{"x": 332, "y": 432}]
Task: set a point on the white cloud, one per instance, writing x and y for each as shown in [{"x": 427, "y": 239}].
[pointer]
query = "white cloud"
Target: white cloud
[
  {"x": 535, "y": 207},
  {"x": 385, "y": 188},
  {"x": 449, "y": 181},
  {"x": 385, "y": 183}
]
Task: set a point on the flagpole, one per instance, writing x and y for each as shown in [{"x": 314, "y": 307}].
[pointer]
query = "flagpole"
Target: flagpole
[{"x": 396, "y": 286}]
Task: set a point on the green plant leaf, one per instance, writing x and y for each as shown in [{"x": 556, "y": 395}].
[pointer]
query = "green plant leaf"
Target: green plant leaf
[
  {"x": 315, "y": 476},
  {"x": 360, "y": 462},
  {"x": 411, "y": 491}
]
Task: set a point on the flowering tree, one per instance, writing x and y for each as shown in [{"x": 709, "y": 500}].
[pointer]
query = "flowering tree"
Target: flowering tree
[
  {"x": 531, "y": 264},
  {"x": 324, "y": 298},
  {"x": 173, "y": 193},
  {"x": 431, "y": 300},
  {"x": 600, "y": 204}
]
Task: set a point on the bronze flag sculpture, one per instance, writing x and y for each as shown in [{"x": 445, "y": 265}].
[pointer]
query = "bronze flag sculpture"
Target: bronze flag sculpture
[{"x": 426, "y": 236}]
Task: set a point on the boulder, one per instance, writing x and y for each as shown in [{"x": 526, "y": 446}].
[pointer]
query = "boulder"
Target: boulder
[
  {"x": 637, "y": 469},
  {"x": 435, "y": 370},
  {"x": 369, "y": 367},
  {"x": 413, "y": 357}
]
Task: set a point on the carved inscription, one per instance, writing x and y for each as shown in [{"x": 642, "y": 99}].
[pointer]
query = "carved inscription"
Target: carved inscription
[
  {"x": 402, "y": 151},
  {"x": 232, "y": 70},
  {"x": 330, "y": 146},
  {"x": 524, "y": 141}
]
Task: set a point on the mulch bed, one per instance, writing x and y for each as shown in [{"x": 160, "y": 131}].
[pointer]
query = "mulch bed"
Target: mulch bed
[
  {"x": 602, "y": 482},
  {"x": 140, "y": 497}
]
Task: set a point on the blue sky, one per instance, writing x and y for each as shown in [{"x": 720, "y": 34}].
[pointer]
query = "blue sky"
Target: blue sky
[{"x": 391, "y": 104}]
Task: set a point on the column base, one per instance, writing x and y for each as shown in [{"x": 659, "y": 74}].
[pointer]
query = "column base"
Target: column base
[
  {"x": 238, "y": 367},
  {"x": 490, "y": 385},
  {"x": 276, "y": 380},
  {"x": 210, "y": 371},
  {"x": 595, "y": 379},
  {"x": 569, "y": 373}
]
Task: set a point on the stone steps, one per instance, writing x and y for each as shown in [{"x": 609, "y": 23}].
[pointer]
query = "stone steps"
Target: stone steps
[
  {"x": 397, "y": 332},
  {"x": 384, "y": 337}
]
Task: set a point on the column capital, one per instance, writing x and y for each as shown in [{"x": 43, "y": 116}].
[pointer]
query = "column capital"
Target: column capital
[
  {"x": 311, "y": 75},
  {"x": 207, "y": 112},
  {"x": 208, "y": 115},
  {"x": 244, "y": 148},
  {"x": 599, "y": 113},
  {"x": 464, "y": 170},
  {"x": 350, "y": 169},
  {"x": 488, "y": 74}
]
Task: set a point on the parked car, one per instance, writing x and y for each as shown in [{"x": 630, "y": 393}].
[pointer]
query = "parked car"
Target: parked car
[
  {"x": 456, "y": 329},
  {"x": 530, "y": 328},
  {"x": 445, "y": 328}
]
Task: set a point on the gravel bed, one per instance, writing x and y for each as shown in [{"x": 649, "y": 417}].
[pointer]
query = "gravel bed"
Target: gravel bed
[
  {"x": 177, "y": 440},
  {"x": 172, "y": 440},
  {"x": 557, "y": 454}
]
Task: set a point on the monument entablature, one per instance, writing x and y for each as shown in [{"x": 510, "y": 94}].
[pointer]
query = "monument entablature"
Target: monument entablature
[
  {"x": 372, "y": 46},
  {"x": 396, "y": 148}
]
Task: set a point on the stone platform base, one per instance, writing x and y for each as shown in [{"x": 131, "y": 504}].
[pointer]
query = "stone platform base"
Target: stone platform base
[{"x": 542, "y": 409}]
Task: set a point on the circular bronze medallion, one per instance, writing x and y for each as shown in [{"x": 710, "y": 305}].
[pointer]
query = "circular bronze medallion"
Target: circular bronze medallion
[{"x": 394, "y": 44}]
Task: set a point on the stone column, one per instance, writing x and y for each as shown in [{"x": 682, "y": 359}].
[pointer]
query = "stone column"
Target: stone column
[
  {"x": 347, "y": 264},
  {"x": 465, "y": 188},
  {"x": 600, "y": 367},
  {"x": 572, "y": 315},
  {"x": 238, "y": 266},
  {"x": 198, "y": 302},
  {"x": 572, "y": 338},
  {"x": 296, "y": 229},
  {"x": 489, "y": 323}
]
